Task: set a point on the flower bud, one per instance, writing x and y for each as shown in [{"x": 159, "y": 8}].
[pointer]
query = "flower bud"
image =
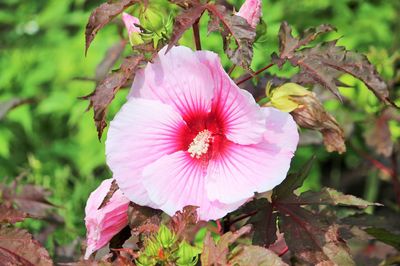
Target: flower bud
[
  {"x": 133, "y": 30},
  {"x": 281, "y": 96},
  {"x": 251, "y": 11},
  {"x": 102, "y": 224}
]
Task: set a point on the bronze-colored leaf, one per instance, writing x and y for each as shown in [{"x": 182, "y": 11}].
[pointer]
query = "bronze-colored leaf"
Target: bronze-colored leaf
[
  {"x": 102, "y": 15},
  {"x": 312, "y": 115},
  {"x": 8, "y": 214},
  {"x": 18, "y": 248},
  {"x": 184, "y": 219},
  {"x": 311, "y": 238},
  {"x": 113, "y": 188},
  {"x": 217, "y": 254},
  {"x": 255, "y": 256},
  {"x": 378, "y": 135},
  {"x": 263, "y": 219},
  {"x": 29, "y": 198},
  {"x": 326, "y": 62},
  {"x": 329, "y": 196},
  {"x": 105, "y": 91},
  {"x": 234, "y": 27},
  {"x": 142, "y": 215},
  {"x": 184, "y": 21},
  {"x": 112, "y": 55},
  {"x": 288, "y": 44}
]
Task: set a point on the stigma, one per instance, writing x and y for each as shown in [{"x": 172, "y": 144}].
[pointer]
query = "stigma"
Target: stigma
[{"x": 200, "y": 144}]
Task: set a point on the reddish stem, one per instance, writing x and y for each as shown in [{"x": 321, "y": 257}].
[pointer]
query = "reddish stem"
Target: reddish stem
[
  {"x": 196, "y": 35},
  {"x": 383, "y": 168},
  {"x": 255, "y": 74},
  {"x": 283, "y": 252},
  {"x": 244, "y": 216},
  {"x": 231, "y": 70},
  {"x": 219, "y": 227},
  {"x": 395, "y": 179}
]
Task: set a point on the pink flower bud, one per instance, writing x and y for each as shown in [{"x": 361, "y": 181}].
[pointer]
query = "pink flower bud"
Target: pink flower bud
[
  {"x": 130, "y": 22},
  {"x": 103, "y": 224},
  {"x": 251, "y": 11}
]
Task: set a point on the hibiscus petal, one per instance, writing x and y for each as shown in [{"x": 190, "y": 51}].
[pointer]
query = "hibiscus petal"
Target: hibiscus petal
[
  {"x": 177, "y": 180},
  {"x": 240, "y": 170},
  {"x": 103, "y": 224},
  {"x": 281, "y": 129},
  {"x": 178, "y": 79},
  {"x": 235, "y": 108},
  {"x": 142, "y": 132}
]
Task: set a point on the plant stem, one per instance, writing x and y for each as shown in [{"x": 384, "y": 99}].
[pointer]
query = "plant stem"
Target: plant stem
[
  {"x": 196, "y": 35},
  {"x": 283, "y": 252},
  {"x": 242, "y": 217},
  {"x": 255, "y": 74},
  {"x": 231, "y": 70},
  {"x": 395, "y": 177}
]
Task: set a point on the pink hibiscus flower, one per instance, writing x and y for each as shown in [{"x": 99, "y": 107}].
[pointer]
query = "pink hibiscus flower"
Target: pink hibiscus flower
[
  {"x": 188, "y": 135},
  {"x": 103, "y": 224},
  {"x": 251, "y": 11}
]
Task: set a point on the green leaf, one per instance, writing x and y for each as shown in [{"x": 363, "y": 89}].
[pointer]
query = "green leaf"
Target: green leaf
[{"x": 385, "y": 236}]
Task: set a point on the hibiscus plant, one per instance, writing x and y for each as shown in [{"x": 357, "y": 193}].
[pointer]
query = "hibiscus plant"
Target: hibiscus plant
[{"x": 200, "y": 160}]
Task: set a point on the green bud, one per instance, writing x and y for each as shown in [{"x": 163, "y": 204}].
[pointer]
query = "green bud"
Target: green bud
[
  {"x": 165, "y": 237},
  {"x": 135, "y": 38},
  {"x": 187, "y": 254}
]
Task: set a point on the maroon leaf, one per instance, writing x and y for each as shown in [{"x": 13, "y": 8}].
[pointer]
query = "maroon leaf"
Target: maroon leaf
[
  {"x": 8, "y": 214},
  {"x": 329, "y": 196},
  {"x": 288, "y": 44},
  {"x": 326, "y": 62},
  {"x": 141, "y": 215},
  {"x": 234, "y": 27},
  {"x": 263, "y": 219},
  {"x": 30, "y": 199},
  {"x": 112, "y": 55},
  {"x": 184, "y": 21},
  {"x": 217, "y": 254},
  {"x": 103, "y": 15},
  {"x": 105, "y": 91},
  {"x": 378, "y": 135},
  {"x": 18, "y": 248},
  {"x": 113, "y": 188},
  {"x": 183, "y": 219},
  {"x": 311, "y": 238}
]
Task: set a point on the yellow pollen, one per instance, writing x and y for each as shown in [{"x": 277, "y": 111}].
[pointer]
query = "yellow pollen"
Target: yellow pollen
[{"x": 200, "y": 144}]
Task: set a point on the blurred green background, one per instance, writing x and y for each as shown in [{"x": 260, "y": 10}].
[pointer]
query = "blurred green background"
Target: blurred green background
[{"x": 54, "y": 140}]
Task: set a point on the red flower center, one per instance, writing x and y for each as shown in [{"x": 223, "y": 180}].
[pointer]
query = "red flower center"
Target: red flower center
[{"x": 204, "y": 136}]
